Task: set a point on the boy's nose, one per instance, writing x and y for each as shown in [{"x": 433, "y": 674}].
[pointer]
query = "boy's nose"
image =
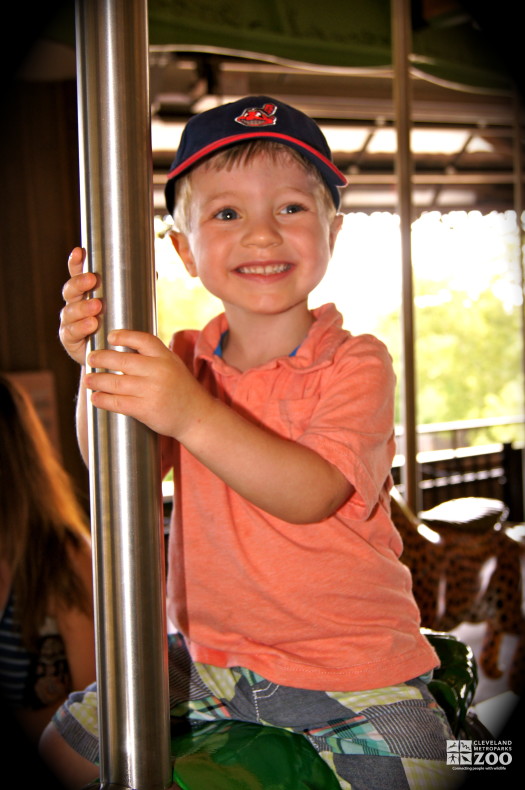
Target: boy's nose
[{"x": 262, "y": 232}]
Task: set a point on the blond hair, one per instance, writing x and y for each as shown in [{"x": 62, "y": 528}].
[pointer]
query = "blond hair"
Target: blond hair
[
  {"x": 41, "y": 520},
  {"x": 242, "y": 154}
]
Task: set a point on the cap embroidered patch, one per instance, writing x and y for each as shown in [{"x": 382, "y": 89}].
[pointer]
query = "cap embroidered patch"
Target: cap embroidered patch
[{"x": 258, "y": 116}]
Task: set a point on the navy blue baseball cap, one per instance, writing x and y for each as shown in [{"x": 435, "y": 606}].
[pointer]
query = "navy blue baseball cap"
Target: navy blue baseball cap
[{"x": 248, "y": 119}]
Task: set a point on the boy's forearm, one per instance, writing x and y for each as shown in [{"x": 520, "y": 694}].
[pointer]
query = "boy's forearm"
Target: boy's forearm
[{"x": 283, "y": 478}]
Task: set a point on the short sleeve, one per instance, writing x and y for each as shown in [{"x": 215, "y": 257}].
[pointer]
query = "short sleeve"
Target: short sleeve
[{"x": 352, "y": 425}]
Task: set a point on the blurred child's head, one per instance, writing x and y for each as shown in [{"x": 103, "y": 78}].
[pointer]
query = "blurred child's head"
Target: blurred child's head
[{"x": 236, "y": 133}]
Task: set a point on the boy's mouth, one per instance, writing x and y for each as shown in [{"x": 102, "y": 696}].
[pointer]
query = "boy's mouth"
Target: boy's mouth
[{"x": 264, "y": 268}]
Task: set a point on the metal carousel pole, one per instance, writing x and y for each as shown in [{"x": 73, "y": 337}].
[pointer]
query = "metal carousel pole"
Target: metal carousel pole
[
  {"x": 401, "y": 47},
  {"x": 117, "y": 231}
]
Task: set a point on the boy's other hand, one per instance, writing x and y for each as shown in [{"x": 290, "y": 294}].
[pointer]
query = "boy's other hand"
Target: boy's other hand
[
  {"x": 79, "y": 317},
  {"x": 153, "y": 385}
]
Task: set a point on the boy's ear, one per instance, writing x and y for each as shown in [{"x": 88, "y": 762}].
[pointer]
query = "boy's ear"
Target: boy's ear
[
  {"x": 335, "y": 227},
  {"x": 182, "y": 248}
]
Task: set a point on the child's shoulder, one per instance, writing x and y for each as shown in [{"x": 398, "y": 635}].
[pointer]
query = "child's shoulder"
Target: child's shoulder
[
  {"x": 366, "y": 353},
  {"x": 365, "y": 343},
  {"x": 368, "y": 342}
]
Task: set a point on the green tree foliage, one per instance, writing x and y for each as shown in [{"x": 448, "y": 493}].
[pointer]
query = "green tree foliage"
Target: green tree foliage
[
  {"x": 467, "y": 320},
  {"x": 468, "y": 355}
]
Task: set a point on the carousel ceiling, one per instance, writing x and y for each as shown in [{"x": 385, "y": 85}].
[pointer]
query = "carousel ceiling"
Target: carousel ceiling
[{"x": 466, "y": 98}]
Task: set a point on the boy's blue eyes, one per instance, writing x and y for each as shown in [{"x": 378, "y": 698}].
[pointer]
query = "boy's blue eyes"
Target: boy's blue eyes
[
  {"x": 230, "y": 213},
  {"x": 293, "y": 208},
  {"x": 227, "y": 213}
]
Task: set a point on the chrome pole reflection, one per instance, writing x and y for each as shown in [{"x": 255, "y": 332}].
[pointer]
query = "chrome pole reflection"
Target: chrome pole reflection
[
  {"x": 401, "y": 49},
  {"x": 117, "y": 230}
]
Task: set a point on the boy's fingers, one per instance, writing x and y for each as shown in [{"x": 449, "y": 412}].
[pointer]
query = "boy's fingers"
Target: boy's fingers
[
  {"x": 77, "y": 331},
  {"x": 81, "y": 282},
  {"x": 76, "y": 261},
  {"x": 110, "y": 383},
  {"x": 109, "y": 360},
  {"x": 73, "y": 312},
  {"x": 146, "y": 344},
  {"x": 122, "y": 361},
  {"x": 78, "y": 286},
  {"x": 128, "y": 362}
]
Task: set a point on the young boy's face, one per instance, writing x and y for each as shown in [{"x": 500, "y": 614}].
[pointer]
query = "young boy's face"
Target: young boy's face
[{"x": 260, "y": 238}]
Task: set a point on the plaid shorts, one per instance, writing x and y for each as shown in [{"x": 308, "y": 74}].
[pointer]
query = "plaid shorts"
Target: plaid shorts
[{"x": 391, "y": 737}]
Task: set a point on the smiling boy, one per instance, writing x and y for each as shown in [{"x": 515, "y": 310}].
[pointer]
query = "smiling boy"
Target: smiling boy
[{"x": 285, "y": 585}]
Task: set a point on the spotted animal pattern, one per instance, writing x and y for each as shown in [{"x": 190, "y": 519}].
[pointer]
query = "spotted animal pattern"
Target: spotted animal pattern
[{"x": 464, "y": 577}]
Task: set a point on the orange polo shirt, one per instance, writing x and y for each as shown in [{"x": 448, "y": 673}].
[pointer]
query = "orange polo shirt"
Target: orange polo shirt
[{"x": 321, "y": 606}]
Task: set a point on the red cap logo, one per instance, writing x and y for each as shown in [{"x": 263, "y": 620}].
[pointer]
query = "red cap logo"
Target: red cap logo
[{"x": 258, "y": 116}]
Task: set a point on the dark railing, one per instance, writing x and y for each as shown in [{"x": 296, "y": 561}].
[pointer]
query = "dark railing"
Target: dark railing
[{"x": 450, "y": 467}]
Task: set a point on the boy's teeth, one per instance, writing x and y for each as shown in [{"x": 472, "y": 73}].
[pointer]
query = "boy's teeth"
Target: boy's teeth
[{"x": 271, "y": 268}]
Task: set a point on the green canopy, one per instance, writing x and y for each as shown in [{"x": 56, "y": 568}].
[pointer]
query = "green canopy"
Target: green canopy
[{"x": 337, "y": 34}]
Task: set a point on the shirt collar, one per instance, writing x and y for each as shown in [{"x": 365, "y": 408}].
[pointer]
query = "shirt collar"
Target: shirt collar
[{"x": 317, "y": 349}]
